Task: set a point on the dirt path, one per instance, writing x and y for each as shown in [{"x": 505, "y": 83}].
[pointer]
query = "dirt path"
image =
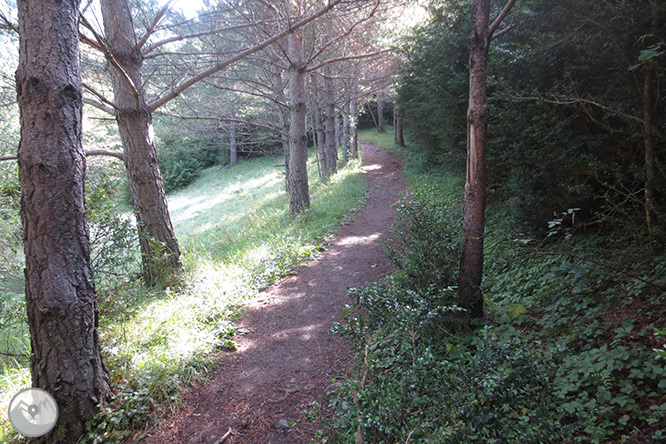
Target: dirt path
[{"x": 288, "y": 358}]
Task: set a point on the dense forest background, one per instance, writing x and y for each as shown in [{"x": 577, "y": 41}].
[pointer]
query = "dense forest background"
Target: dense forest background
[
  {"x": 576, "y": 103},
  {"x": 571, "y": 344},
  {"x": 570, "y": 347}
]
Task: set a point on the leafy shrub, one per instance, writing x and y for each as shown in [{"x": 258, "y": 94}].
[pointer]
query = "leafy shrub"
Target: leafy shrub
[
  {"x": 419, "y": 382},
  {"x": 113, "y": 236},
  {"x": 426, "y": 246},
  {"x": 182, "y": 164}
]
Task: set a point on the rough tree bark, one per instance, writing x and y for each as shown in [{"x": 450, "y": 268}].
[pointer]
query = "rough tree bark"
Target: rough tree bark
[
  {"x": 299, "y": 192},
  {"x": 471, "y": 267},
  {"x": 331, "y": 146},
  {"x": 60, "y": 295},
  {"x": 159, "y": 247}
]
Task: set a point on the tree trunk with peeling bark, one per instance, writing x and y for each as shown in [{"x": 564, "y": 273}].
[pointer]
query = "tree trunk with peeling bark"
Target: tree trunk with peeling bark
[
  {"x": 299, "y": 192},
  {"x": 160, "y": 252},
  {"x": 60, "y": 295},
  {"x": 471, "y": 267}
]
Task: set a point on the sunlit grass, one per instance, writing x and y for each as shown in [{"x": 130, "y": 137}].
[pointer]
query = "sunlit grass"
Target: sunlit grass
[{"x": 237, "y": 237}]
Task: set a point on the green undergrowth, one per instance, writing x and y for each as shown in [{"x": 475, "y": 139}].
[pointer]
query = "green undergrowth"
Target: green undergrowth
[
  {"x": 237, "y": 237},
  {"x": 572, "y": 348}
]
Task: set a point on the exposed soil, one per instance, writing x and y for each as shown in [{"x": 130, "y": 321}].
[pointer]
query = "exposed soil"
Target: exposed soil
[{"x": 288, "y": 358}]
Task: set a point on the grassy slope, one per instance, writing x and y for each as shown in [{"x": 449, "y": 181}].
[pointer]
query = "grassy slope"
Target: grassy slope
[{"x": 237, "y": 237}]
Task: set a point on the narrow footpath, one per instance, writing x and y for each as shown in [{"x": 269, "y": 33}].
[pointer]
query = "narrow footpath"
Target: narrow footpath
[{"x": 288, "y": 358}]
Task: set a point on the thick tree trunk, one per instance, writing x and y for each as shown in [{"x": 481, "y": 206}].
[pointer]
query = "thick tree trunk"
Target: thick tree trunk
[
  {"x": 60, "y": 295},
  {"x": 159, "y": 246},
  {"x": 331, "y": 147},
  {"x": 471, "y": 269},
  {"x": 299, "y": 192}
]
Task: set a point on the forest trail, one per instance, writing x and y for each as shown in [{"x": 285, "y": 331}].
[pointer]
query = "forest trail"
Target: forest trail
[{"x": 288, "y": 359}]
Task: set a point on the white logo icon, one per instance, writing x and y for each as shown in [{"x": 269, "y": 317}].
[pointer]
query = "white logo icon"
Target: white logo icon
[{"x": 33, "y": 412}]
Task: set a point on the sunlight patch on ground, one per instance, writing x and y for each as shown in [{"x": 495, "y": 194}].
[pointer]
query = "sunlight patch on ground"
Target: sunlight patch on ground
[
  {"x": 359, "y": 240},
  {"x": 372, "y": 167},
  {"x": 183, "y": 206}
]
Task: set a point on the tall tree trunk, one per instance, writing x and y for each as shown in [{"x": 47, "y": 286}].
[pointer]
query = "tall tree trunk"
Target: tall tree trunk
[
  {"x": 380, "y": 112},
  {"x": 648, "y": 141},
  {"x": 60, "y": 295},
  {"x": 345, "y": 131},
  {"x": 478, "y": 111},
  {"x": 159, "y": 247},
  {"x": 338, "y": 129},
  {"x": 331, "y": 148},
  {"x": 353, "y": 129},
  {"x": 397, "y": 127},
  {"x": 471, "y": 269},
  {"x": 299, "y": 192},
  {"x": 353, "y": 117}
]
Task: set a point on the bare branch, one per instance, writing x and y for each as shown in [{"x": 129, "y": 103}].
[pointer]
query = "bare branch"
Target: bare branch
[
  {"x": 498, "y": 20},
  {"x": 5, "y": 23},
  {"x": 100, "y": 106},
  {"x": 158, "y": 18},
  {"x": 501, "y": 32},
  {"x": 105, "y": 105},
  {"x": 160, "y": 101},
  {"x": 89, "y": 153},
  {"x": 115, "y": 154},
  {"x": 112, "y": 59},
  {"x": 352, "y": 57}
]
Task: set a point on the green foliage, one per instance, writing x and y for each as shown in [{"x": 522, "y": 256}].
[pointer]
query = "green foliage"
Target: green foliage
[
  {"x": 433, "y": 90},
  {"x": 419, "y": 381},
  {"x": 113, "y": 237},
  {"x": 425, "y": 246},
  {"x": 182, "y": 161},
  {"x": 130, "y": 409},
  {"x": 566, "y": 93},
  {"x": 571, "y": 352},
  {"x": 598, "y": 322}
]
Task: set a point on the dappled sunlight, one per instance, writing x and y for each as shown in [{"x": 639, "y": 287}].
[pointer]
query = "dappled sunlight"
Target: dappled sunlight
[
  {"x": 304, "y": 333},
  {"x": 372, "y": 167},
  {"x": 185, "y": 205},
  {"x": 359, "y": 240}
]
